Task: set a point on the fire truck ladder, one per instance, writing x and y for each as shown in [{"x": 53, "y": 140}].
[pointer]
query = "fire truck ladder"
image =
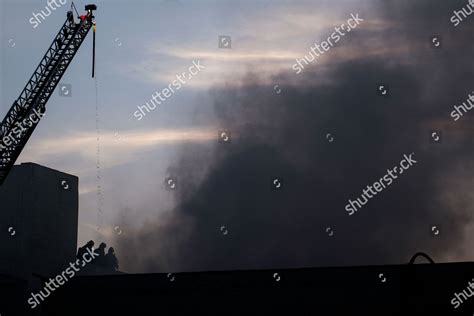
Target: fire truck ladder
[{"x": 25, "y": 113}]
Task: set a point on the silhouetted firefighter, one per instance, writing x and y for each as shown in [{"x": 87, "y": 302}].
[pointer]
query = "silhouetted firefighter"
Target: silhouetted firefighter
[
  {"x": 111, "y": 261},
  {"x": 82, "y": 250},
  {"x": 104, "y": 262},
  {"x": 101, "y": 251}
]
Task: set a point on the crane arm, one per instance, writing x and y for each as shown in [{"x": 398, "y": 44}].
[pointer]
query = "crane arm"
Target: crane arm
[{"x": 26, "y": 112}]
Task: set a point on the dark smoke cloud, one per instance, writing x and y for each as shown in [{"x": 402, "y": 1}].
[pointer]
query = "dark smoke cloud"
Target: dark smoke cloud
[{"x": 284, "y": 135}]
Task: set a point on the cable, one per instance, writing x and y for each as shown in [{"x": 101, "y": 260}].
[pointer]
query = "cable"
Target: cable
[
  {"x": 93, "y": 48},
  {"x": 74, "y": 7},
  {"x": 421, "y": 254}
]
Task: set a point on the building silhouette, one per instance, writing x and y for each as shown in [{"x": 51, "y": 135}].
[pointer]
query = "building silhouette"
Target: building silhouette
[{"x": 38, "y": 221}]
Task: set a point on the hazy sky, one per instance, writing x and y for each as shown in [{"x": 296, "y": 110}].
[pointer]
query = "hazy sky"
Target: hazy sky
[{"x": 143, "y": 45}]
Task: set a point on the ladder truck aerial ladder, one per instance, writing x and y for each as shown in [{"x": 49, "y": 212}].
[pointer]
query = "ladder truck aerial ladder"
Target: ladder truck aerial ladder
[{"x": 26, "y": 112}]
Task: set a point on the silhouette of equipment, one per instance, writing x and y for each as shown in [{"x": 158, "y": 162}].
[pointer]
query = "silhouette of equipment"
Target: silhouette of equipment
[{"x": 26, "y": 112}]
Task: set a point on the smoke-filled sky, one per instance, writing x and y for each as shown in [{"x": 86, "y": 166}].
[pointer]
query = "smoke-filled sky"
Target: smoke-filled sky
[{"x": 325, "y": 133}]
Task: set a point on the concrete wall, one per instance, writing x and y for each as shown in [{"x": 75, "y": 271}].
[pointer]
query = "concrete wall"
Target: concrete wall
[{"x": 34, "y": 201}]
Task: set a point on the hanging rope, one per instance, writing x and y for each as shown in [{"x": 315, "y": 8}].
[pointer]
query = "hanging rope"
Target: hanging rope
[{"x": 93, "y": 49}]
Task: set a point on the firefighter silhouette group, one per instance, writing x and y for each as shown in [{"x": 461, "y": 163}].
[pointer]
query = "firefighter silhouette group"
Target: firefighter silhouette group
[{"x": 107, "y": 262}]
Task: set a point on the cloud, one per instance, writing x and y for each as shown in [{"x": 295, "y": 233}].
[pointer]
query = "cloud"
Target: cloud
[
  {"x": 117, "y": 148},
  {"x": 288, "y": 35}
]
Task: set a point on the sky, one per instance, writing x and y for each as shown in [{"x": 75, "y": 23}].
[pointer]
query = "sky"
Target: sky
[{"x": 223, "y": 213}]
